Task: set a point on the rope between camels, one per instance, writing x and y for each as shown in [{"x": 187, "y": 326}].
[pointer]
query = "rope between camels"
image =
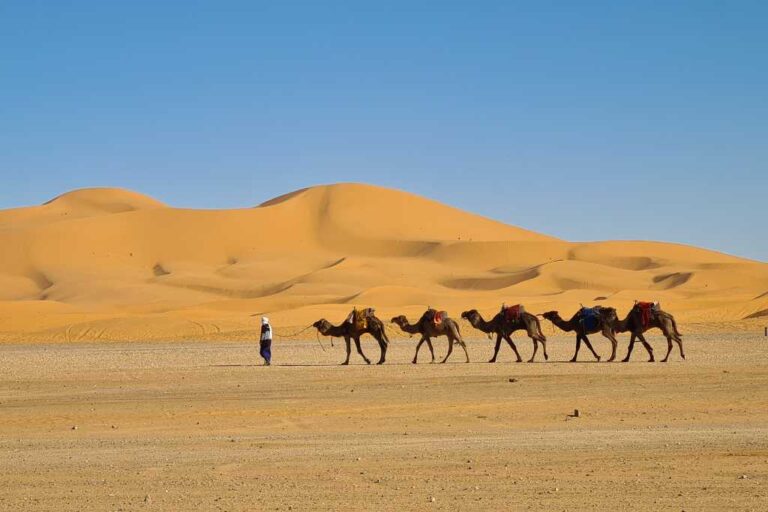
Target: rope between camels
[
  {"x": 392, "y": 329},
  {"x": 489, "y": 335},
  {"x": 554, "y": 331}
]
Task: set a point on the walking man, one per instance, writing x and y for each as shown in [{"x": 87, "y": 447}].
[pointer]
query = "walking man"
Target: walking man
[{"x": 265, "y": 343}]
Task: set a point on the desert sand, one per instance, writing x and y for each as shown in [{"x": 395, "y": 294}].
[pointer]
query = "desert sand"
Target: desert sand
[
  {"x": 201, "y": 426},
  {"x": 130, "y": 378}
]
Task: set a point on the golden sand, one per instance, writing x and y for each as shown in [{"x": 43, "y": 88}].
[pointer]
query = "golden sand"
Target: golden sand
[{"x": 109, "y": 264}]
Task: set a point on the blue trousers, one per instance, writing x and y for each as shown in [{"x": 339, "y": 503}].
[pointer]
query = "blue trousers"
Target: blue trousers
[{"x": 265, "y": 349}]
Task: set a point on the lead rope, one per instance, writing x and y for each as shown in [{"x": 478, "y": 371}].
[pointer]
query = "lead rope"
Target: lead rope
[{"x": 293, "y": 335}]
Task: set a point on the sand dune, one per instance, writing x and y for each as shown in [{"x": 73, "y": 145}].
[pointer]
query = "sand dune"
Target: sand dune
[{"x": 113, "y": 264}]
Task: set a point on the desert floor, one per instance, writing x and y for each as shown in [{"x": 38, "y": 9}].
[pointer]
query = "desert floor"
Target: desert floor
[{"x": 184, "y": 426}]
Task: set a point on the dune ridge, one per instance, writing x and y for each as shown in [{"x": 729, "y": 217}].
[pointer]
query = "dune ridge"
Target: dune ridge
[{"x": 114, "y": 264}]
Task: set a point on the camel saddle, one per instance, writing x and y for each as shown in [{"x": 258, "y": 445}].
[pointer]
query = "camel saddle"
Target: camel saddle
[
  {"x": 360, "y": 318},
  {"x": 434, "y": 316},
  {"x": 647, "y": 310},
  {"x": 512, "y": 313},
  {"x": 589, "y": 317}
]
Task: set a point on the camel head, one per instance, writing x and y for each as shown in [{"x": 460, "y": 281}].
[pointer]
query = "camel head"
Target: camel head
[
  {"x": 551, "y": 315},
  {"x": 471, "y": 316},
  {"x": 322, "y": 325},
  {"x": 399, "y": 320}
]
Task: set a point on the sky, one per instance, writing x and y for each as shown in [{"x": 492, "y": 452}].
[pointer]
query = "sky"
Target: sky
[{"x": 582, "y": 120}]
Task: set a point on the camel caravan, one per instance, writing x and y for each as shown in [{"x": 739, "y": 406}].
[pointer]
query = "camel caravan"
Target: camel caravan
[{"x": 587, "y": 320}]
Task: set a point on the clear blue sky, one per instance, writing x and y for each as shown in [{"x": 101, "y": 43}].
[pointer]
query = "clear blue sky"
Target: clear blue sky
[{"x": 584, "y": 120}]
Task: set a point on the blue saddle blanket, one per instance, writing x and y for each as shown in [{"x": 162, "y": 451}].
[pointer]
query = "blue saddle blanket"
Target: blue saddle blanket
[{"x": 590, "y": 318}]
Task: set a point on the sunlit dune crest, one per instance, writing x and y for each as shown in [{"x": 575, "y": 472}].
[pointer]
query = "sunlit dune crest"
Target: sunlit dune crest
[{"x": 114, "y": 264}]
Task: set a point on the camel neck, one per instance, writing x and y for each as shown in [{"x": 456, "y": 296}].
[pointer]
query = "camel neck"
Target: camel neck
[
  {"x": 484, "y": 325},
  {"x": 410, "y": 328},
  {"x": 564, "y": 325}
]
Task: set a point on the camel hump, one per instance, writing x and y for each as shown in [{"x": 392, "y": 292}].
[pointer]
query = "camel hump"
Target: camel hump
[
  {"x": 360, "y": 317},
  {"x": 589, "y": 317},
  {"x": 512, "y": 313},
  {"x": 647, "y": 312}
]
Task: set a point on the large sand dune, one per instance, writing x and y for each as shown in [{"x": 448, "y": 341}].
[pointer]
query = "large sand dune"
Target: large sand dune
[{"x": 109, "y": 264}]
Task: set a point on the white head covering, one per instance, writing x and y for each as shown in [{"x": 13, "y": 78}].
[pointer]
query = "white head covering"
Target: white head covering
[{"x": 264, "y": 320}]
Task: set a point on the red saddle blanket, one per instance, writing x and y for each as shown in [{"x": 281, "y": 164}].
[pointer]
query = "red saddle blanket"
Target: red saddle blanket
[
  {"x": 646, "y": 312},
  {"x": 513, "y": 313},
  {"x": 438, "y": 319}
]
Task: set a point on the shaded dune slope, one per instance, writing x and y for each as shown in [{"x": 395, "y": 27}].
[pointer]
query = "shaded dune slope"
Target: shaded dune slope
[{"x": 141, "y": 269}]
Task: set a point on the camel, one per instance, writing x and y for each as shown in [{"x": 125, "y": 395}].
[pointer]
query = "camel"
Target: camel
[
  {"x": 351, "y": 331},
  {"x": 658, "y": 319},
  {"x": 428, "y": 330},
  {"x": 605, "y": 325},
  {"x": 503, "y": 329}
]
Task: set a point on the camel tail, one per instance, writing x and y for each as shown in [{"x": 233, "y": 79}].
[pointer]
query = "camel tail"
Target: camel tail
[
  {"x": 458, "y": 330},
  {"x": 674, "y": 325},
  {"x": 383, "y": 329},
  {"x": 538, "y": 327},
  {"x": 384, "y": 334}
]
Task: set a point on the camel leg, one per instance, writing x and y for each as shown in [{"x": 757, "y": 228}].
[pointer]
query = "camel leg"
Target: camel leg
[
  {"x": 349, "y": 349},
  {"x": 512, "y": 344},
  {"x": 535, "y": 349},
  {"x": 647, "y": 346},
  {"x": 383, "y": 347},
  {"x": 680, "y": 345},
  {"x": 578, "y": 346},
  {"x": 631, "y": 346},
  {"x": 589, "y": 346},
  {"x": 450, "y": 349},
  {"x": 360, "y": 351},
  {"x": 496, "y": 348},
  {"x": 431, "y": 349},
  {"x": 418, "y": 346},
  {"x": 614, "y": 344},
  {"x": 669, "y": 349},
  {"x": 543, "y": 342},
  {"x": 464, "y": 346}
]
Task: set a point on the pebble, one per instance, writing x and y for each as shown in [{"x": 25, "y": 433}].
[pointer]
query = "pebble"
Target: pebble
[
  {"x": 74, "y": 427},
  {"x": 431, "y": 499},
  {"x": 512, "y": 380}
]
